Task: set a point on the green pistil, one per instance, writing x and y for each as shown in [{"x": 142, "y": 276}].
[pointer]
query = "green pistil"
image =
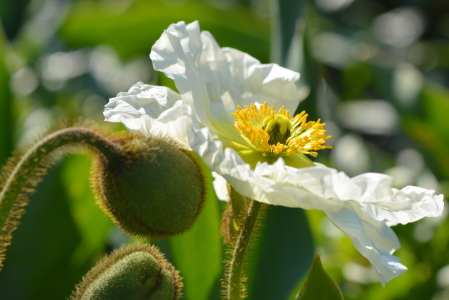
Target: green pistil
[{"x": 278, "y": 127}]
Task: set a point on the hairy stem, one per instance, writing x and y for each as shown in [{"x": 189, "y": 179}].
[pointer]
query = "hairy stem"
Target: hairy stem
[
  {"x": 234, "y": 288},
  {"x": 19, "y": 180}
]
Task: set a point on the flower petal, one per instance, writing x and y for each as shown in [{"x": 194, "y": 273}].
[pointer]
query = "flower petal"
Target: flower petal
[
  {"x": 373, "y": 239},
  {"x": 253, "y": 82},
  {"x": 215, "y": 80},
  {"x": 151, "y": 110},
  {"x": 372, "y": 192},
  {"x": 178, "y": 53},
  {"x": 220, "y": 187},
  {"x": 409, "y": 204}
]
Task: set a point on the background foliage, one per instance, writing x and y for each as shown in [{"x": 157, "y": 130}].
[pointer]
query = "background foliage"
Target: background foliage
[{"x": 376, "y": 71}]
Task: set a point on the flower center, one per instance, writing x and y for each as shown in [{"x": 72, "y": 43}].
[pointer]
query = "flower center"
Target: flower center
[
  {"x": 276, "y": 134},
  {"x": 278, "y": 128}
]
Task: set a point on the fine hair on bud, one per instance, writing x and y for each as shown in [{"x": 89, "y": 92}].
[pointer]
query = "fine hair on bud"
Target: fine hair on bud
[
  {"x": 157, "y": 190},
  {"x": 135, "y": 272}
]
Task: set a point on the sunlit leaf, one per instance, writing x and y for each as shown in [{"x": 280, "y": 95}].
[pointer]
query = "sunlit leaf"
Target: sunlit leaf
[
  {"x": 6, "y": 123},
  {"x": 319, "y": 285},
  {"x": 282, "y": 254},
  {"x": 40, "y": 27},
  {"x": 430, "y": 127},
  {"x": 198, "y": 253},
  {"x": 135, "y": 30},
  {"x": 12, "y": 14},
  {"x": 288, "y": 13},
  {"x": 91, "y": 222}
]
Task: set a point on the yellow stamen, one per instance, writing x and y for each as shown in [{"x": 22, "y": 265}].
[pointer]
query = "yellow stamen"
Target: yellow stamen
[{"x": 275, "y": 134}]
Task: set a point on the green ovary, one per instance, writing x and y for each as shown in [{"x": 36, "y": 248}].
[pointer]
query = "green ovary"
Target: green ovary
[{"x": 278, "y": 127}]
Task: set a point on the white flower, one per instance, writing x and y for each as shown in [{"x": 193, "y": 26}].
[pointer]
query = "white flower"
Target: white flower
[{"x": 222, "y": 115}]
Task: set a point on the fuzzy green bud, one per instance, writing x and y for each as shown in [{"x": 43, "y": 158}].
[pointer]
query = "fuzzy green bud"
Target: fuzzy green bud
[
  {"x": 134, "y": 272},
  {"x": 150, "y": 187},
  {"x": 157, "y": 190}
]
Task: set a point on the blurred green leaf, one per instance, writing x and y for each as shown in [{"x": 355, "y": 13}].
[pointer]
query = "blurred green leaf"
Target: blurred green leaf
[
  {"x": 134, "y": 31},
  {"x": 284, "y": 27},
  {"x": 282, "y": 254},
  {"x": 319, "y": 284},
  {"x": 430, "y": 127},
  {"x": 12, "y": 13},
  {"x": 6, "y": 122},
  {"x": 435, "y": 101},
  {"x": 308, "y": 68},
  {"x": 290, "y": 47},
  {"x": 42, "y": 22},
  {"x": 356, "y": 78},
  {"x": 91, "y": 222},
  {"x": 198, "y": 253}
]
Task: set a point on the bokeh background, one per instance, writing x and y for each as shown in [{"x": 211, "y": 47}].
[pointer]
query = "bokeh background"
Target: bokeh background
[{"x": 377, "y": 72}]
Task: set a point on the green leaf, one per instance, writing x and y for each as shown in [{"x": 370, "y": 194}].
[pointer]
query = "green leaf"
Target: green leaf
[
  {"x": 290, "y": 47},
  {"x": 284, "y": 26},
  {"x": 6, "y": 122},
  {"x": 39, "y": 28},
  {"x": 134, "y": 31},
  {"x": 435, "y": 104},
  {"x": 91, "y": 222},
  {"x": 302, "y": 61},
  {"x": 319, "y": 285},
  {"x": 429, "y": 128},
  {"x": 13, "y": 13},
  {"x": 282, "y": 254},
  {"x": 198, "y": 253}
]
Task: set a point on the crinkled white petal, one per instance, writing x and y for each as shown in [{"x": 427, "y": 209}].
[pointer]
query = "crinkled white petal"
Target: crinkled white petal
[
  {"x": 215, "y": 80},
  {"x": 373, "y": 239},
  {"x": 220, "y": 187},
  {"x": 316, "y": 187},
  {"x": 151, "y": 110},
  {"x": 372, "y": 192},
  {"x": 343, "y": 199},
  {"x": 410, "y": 204},
  {"x": 253, "y": 82},
  {"x": 176, "y": 53},
  {"x": 143, "y": 99}
]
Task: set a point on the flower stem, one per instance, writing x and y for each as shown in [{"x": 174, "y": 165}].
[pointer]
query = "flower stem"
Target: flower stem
[
  {"x": 24, "y": 171},
  {"x": 234, "y": 288}
]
